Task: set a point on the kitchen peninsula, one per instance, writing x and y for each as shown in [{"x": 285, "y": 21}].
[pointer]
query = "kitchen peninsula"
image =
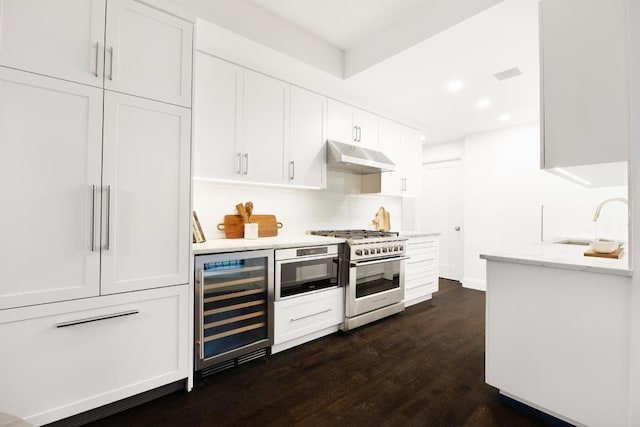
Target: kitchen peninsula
[{"x": 557, "y": 327}]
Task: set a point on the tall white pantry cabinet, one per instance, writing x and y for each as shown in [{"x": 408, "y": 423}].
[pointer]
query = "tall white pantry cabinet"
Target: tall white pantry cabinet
[{"x": 95, "y": 130}]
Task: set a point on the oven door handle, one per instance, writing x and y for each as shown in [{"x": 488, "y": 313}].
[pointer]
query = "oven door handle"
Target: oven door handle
[{"x": 379, "y": 261}]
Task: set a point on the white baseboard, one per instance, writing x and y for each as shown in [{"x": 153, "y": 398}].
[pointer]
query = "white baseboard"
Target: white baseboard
[{"x": 471, "y": 283}]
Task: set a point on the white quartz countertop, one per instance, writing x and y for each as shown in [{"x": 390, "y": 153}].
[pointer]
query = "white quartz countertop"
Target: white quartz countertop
[
  {"x": 557, "y": 255},
  {"x": 278, "y": 242}
]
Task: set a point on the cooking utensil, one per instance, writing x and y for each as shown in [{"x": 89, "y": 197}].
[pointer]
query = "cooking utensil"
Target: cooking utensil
[
  {"x": 248, "y": 207},
  {"x": 233, "y": 226},
  {"x": 243, "y": 213}
]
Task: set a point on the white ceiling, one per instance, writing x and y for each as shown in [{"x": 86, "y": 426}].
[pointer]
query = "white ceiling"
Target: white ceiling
[
  {"x": 411, "y": 84},
  {"x": 342, "y": 23}
]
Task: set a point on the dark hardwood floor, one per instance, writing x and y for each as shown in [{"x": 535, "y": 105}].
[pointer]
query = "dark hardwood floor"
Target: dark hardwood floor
[{"x": 422, "y": 367}]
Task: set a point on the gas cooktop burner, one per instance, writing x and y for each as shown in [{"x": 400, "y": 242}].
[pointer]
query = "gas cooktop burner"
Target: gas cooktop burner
[{"x": 355, "y": 234}]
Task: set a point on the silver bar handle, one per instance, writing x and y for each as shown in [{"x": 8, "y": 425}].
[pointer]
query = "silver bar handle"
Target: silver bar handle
[
  {"x": 97, "y": 54},
  {"x": 111, "y": 63},
  {"x": 292, "y": 170},
  {"x": 354, "y": 133},
  {"x": 199, "y": 313},
  {"x": 295, "y": 319},
  {"x": 379, "y": 261},
  {"x": 359, "y": 133},
  {"x": 97, "y": 318},
  {"x": 246, "y": 163},
  {"x": 239, "y": 170},
  {"x": 93, "y": 218},
  {"x": 108, "y": 227}
]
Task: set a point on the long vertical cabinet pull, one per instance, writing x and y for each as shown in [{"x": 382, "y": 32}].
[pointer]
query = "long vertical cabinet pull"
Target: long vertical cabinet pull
[
  {"x": 97, "y": 59},
  {"x": 354, "y": 134},
  {"x": 239, "y": 157},
  {"x": 93, "y": 218},
  {"x": 108, "y": 221},
  {"x": 111, "y": 63},
  {"x": 246, "y": 163},
  {"x": 292, "y": 170},
  {"x": 358, "y": 134}
]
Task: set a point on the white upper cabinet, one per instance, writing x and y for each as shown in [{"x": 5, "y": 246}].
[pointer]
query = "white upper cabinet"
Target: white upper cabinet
[
  {"x": 402, "y": 145},
  {"x": 148, "y": 53},
  {"x": 391, "y": 146},
  {"x": 141, "y": 50},
  {"x": 241, "y": 123},
  {"x": 585, "y": 82},
  {"x": 146, "y": 190},
  {"x": 62, "y": 38},
  {"x": 50, "y": 168},
  {"x": 351, "y": 125},
  {"x": 411, "y": 162},
  {"x": 265, "y": 127},
  {"x": 307, "y": 153},
  {"x": 217, "y": 121}
]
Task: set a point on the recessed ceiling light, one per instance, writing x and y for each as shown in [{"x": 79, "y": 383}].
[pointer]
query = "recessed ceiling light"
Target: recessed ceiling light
[
  {"x": 505, "y": 117},
  {"x": 483, "y": 103},
  {"x": 422, "y": 137},
  {"x": 454, "y": 85}
]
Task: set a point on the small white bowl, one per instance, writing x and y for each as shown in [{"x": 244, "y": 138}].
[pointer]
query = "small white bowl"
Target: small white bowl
[{"x": 604, "y": 246}]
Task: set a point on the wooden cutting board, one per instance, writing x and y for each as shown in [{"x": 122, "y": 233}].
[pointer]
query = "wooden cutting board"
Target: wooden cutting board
[
  {"x": 615, "y": 254},
  {"x": 233, "y": 226}
]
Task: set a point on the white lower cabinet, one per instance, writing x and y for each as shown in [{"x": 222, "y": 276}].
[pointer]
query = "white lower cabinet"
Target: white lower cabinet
[
  {"x": 304, "y": 318},
  {"x": 421, "y": 269},
  {"x": 58, "y": 360}
]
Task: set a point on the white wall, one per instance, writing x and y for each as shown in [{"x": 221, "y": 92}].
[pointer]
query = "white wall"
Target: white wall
[
  {"x": 337, "y": 207},
  {"x": 504, "y": 190}
]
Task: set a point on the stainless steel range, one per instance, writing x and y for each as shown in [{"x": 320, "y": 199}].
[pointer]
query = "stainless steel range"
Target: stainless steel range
[{"x": 374, "y": 275}]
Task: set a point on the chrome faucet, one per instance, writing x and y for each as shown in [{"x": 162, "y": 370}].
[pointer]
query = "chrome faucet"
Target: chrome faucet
[{"x": 596, "y": 215}]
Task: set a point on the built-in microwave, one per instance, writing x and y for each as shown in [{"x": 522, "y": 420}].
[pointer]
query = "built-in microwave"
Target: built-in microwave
[{"x": 309, "y": 269}]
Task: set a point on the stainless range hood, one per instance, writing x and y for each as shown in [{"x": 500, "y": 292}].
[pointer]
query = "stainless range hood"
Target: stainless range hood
[{"x": 355, "y": 159}]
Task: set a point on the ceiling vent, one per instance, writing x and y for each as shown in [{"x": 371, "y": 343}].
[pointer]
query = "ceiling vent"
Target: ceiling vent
[{"x": 508, "y": 74}]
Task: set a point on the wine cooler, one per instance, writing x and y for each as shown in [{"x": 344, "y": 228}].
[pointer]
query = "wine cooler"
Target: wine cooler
[{"x": 234, "y": 307}]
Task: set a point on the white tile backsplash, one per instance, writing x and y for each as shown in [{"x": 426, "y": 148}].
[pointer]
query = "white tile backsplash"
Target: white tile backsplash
[{"x": 300, "y": 210}]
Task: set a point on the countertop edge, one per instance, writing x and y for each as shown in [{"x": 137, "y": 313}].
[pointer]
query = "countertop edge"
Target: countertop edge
[
  {"x": 216, "y": 246},
  {"x": 561, "y": 265}
]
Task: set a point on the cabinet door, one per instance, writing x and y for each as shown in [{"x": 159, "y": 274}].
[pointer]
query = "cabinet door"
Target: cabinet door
[
  {"x": 50, "y": 153},
  {"x": 146, "y": 183},
  {"x": 266, "y": 116},
  {"x": 585, "y": 82},
  {"x": 61, "y": 359},
  {"x": 411, "y": 162},
  {"x": 390, "y": 144},
  {"x": 307, "y": 154},
  {"x": 340, "y": 122},
  {"x": 368, "y": 130},
  {"x": 148, "y": 53},
  {"x": 62, "y": 38},
  {"x": 217, "y": 124}
]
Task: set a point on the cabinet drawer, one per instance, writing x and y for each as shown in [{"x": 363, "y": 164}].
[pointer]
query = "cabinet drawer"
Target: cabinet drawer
[
  {"x": 61, "y": 359},
  {"x": 421, "y": 264},
  {"x": 304, "y": 315},
  {"x": 417, "y": 281},
  {"x": 421, "y": 244},
  {"x": 420, "y": 291}
]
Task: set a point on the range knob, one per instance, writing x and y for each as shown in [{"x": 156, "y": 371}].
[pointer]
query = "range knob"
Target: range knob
[
  {"x": 358, "y": 252},
  {"x": 401, "y": 247},
  {"x": 366, "y": 251},
  {"x": 384, "y": 250},
  {"x": 378, "y": 250}
]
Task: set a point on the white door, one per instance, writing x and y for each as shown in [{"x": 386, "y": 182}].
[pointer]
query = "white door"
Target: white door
[
  {"x": 50, "y": 153},
  {"x": 148, "y": 53},
  {"x": 217, "y": 120},
  {"x": 307, "y": 156},
  {"x": 340, "y": 122},
  {"x": 391, "y": 146},
  {"x": 146, "y": 184},
  {"x": 266, "y": 130},
  {"x": 62, "y": 38},
  {"x": 368, "y": 130},
  {"x": 443, "y": 212},
  {"x": 411, "y": 162}
]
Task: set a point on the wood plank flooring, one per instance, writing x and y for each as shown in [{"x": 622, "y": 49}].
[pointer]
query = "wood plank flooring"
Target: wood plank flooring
[{"x": 422, "y": 367}]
